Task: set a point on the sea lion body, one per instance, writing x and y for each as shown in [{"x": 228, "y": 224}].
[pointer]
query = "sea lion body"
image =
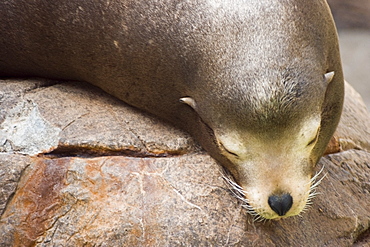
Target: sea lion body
[{"x": 252, "y": 81}]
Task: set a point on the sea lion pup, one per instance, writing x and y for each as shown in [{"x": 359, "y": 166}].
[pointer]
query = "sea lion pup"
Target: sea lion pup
[{"x": 258, "y": 83}]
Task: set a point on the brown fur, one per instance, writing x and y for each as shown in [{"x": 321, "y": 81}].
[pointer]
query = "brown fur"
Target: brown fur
[{"x": 250, "y": 66}]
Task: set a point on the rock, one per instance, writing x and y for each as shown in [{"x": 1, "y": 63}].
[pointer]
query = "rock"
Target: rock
[
  {"x": 353, "y": 131},
  {"x": 64, "y": 117},
  {"x": 109, "y": 175}
]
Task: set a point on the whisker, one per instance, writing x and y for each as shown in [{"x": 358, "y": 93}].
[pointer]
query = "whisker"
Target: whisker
[
  {"x": 314, "y": 183},
  {"x": 239, "y": 193}
]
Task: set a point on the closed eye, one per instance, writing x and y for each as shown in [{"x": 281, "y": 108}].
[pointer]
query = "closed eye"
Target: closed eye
[
  {"x": 313, "y": 141},
  {"x": 225, "y": 149}
]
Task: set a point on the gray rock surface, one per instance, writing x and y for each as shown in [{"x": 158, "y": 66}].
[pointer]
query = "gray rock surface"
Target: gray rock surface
[
  {"x": 353, "y": 131},
  {"x": 59, "y": 117},
  {"x": 109, "y": 175}
]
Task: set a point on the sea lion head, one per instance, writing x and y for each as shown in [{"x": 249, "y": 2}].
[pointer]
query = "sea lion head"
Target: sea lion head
[
  {"x": 270, "y": 136},
  {"x": 269, "y": 95}
]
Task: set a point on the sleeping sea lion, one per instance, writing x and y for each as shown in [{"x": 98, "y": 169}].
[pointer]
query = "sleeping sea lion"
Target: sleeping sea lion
[{"x": 258, "y": 83}]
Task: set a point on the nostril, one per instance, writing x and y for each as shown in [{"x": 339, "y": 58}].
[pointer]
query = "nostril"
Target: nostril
[{"x": 280, "y": 203}]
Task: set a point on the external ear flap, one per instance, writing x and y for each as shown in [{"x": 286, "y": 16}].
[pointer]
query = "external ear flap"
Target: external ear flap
[
  {"x": 329, "y": 76},
  {"x": 189, "y": 101}
]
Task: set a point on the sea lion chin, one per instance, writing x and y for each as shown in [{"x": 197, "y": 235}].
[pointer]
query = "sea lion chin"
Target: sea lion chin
[{"x": 259, "y": 84}]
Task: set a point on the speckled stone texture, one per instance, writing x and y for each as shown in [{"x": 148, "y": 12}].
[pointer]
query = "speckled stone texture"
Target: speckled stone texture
[{"x": 80, "y": 168}]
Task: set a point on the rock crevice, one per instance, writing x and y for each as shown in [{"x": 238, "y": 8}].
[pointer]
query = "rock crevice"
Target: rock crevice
[{"x": 100, "y": 173}]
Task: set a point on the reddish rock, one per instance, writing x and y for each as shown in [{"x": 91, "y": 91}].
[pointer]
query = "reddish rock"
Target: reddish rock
[{"x": 117, "y": 177}]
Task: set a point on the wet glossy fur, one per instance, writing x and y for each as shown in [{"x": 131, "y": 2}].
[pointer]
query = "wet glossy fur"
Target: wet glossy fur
[{"x": 254, "y": 70}]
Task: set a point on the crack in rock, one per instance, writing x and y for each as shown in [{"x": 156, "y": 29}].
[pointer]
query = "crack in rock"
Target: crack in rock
[
  {"x": 88, "y": 151},
  {"x": 185, "y": 200}
]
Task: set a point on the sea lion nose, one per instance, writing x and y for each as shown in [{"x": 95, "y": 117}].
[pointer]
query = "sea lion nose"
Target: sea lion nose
[{"x": 280, "y": 203}]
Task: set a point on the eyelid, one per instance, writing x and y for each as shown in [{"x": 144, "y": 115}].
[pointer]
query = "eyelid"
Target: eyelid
[
  {"x": 315, "y": 138},
  {"x": 223, "y": 147}
]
